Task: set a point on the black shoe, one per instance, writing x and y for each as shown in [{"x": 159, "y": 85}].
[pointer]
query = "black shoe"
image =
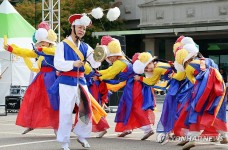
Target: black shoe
[
  {"x": 123, "y": 134},
  {"x": 27, "y": 130},
  {"x": 147, "y": 135}
]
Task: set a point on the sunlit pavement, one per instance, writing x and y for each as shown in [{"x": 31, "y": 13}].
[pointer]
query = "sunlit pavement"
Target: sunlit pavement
[{"x": 44, "y": 139}]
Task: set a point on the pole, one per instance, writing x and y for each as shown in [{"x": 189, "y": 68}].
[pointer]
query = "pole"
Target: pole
[{"x": 35, "y": 14}]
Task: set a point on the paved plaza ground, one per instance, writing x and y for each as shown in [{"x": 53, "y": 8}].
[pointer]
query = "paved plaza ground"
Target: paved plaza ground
[{"x": 44, "y": 139}]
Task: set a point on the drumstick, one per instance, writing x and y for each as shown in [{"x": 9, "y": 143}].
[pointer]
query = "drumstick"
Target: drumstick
[{"x": 3, "y": 71}]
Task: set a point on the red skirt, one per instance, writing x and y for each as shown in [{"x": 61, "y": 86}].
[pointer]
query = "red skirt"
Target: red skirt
[
  {"x": 138, "y": 117},
  {"x": 36, "y": 110},
  {"x": 101, "y": 126}
]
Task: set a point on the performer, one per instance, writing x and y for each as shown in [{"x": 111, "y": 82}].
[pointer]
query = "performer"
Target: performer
[
  {"x": 172, "y": 99},
  {"x": 69, "y": 59},
  {"x": 203, "y": 112},
  {"x": 36, "y": 110},
  {"x": 99, "y": 91},
  {"x": 155, "y": 70},
  {"x": 140, "y": 107},
  {"x": 130, "y": 107}
]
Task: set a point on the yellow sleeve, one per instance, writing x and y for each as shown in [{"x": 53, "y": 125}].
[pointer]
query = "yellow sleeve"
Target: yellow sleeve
[
  {"x": 49, "y": 50},
  {"x": 155, "y": 76},
  {"x": 179, "y": 76},
  {"x": 190, "y": 73},
  {"x": 218, "y": 75},
  {"x": 29, "y": 64},
  {"x": 39, "y": 61},
  {"x": 115, "y": 87},
  {"x": 113, "y": 70},
  {"x": 88, "y": 69},
  {"x": 105, "y": 71},
  {"x": 23, "y": 52}
]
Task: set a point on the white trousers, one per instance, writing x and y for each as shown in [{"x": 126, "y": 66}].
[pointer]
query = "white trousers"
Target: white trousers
[{"x": 69, "y": 96}]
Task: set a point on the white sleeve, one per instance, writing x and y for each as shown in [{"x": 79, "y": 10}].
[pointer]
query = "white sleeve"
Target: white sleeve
[
  {"x": 59, "y": 61},
  {"x": 178, "y": 67},
  {"x": 90, "y": 58}
]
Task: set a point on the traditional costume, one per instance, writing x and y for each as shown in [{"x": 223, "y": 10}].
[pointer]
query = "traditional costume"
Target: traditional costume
[
  {"x": 71, "y": 85},
  {"x": 130, "y": 107},
  {"x": 203, "y": 108},
  {"x": 36, "y": 110},
  {"x": 172, "y": 98},
  {"x": 99, "y": 91},
  {"x": 161, "y": 71}
]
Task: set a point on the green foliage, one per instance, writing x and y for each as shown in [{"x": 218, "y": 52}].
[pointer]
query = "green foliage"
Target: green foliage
[
  {"x": 32, "y": 12},
  {"x": 68, "y": 7}
]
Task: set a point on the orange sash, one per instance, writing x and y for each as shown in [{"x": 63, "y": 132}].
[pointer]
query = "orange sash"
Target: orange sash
[{"x": 75, "y": 48}]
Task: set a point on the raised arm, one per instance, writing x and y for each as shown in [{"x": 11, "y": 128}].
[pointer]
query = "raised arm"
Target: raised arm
[
  {"x": 22, "y": 52},
  {"x": 113, "y": 70}
]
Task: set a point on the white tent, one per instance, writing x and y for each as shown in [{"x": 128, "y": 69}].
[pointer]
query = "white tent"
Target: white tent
[{"x": 19, "y": 32}]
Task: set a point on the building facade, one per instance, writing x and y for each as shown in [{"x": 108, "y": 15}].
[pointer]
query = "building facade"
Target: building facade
[{"x": 154, "y": 25}]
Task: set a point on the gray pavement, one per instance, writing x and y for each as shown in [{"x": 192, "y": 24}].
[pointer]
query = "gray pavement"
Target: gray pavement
[{"x": 44, "y": 139}]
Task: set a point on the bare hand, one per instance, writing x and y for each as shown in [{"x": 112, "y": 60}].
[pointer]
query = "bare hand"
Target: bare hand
[
  {"x": 6, "y": 46},
  {"x": 57, "y": 73},
  {"x": 170, "y": 75},
  {"x": 78, "y": 63},
  {"x": 95, "y": 78},
  {"x": 136, "y": 77}
]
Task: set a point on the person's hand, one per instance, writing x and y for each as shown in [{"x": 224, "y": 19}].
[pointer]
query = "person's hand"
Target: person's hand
[
  {"x": 57, "y": 73},
  {"x": 202, "y": 65},
  {"x": 78, "y": 63},
  {"x": 103, "y": 105},
  {"x": 170, "y": 75},
  {"x": 95, "y": 78},
  {"x": 6, "y": 46},
  {"x": 136, "y": 77}
]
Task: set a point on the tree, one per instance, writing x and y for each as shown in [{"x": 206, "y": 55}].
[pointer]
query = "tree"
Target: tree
[
  {"x": 31, "y": 11},
  {"x": 85, "y": 6},
  {"x": 27, "y": 9}
]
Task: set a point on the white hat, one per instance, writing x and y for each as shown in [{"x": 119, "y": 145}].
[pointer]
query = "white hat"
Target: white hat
[
  {"x": 192, "y": 51},
  {"x": 80, "y": 19},
  {"x": 143, "y": 60},
  {"x": 187, "y": 40},
  {"x": 43, "y": 35}
]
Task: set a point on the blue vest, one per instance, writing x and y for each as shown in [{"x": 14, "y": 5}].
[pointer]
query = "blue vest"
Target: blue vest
[
  {"x": 48, "y": 62},
  {"x": 70, "y": 55}
]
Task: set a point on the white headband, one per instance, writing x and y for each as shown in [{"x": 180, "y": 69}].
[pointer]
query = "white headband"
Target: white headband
[
  {"x": 77, "y": 22},
  {"x": 84, "y": 21}
]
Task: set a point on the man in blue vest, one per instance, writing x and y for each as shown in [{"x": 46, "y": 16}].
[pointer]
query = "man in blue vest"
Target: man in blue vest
[{"x": 69, "y": 59}]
